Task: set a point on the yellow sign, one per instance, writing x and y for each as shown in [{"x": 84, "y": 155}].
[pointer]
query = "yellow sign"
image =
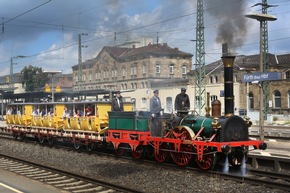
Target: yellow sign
[
  {"x": 57, "y": 88},
  {"x": 7, "y": 79},
  {"x": 47, "y": 88}
]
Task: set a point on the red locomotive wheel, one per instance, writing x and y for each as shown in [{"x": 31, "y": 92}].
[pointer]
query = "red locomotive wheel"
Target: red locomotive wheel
[
  {"x": 163, "y": 154},
  {"x": 208, "y": 161},
  {"x": 139, "y": 152},
  {"x": 182, "y": 158}
]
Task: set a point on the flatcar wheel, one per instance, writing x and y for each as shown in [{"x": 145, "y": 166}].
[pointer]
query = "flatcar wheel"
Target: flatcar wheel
[
  {"x": 139, "y": 152},
  {"x": 15, "y": 135},
  {"x": 90, "y": 146},
  {"x": 50, "y": 141},
  {"x": 163, "y": 155},
  {"x": 236, "y": 158},
  {"x": 41, "y": 139},
  {"x": 120, "y": 150},
  {"x": 77, "y": 145},
  {"x": 208, "y": 161},
  {"x": 22, "y": 136}
]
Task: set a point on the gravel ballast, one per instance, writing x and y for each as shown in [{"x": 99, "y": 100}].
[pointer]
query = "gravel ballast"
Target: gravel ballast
[{"x": 151, "y": 179}]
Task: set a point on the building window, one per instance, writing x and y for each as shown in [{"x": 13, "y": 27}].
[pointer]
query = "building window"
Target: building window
[
  {"x": 123, "y": 72},
  {"x": 169, "y": 106},
  {"x": 132, "y": 71},
  {"x": 144, "y": 69},
  {"x": 135, "y": 70},
  {"x": 251, "y": 100},
  {"x": 171, "y": 69},
  {"x": 113, "y": 73},
  {"x": 184, "y": 69},
  {"x": 277, "y": 99},
  {"x": 216, "y": 79},
  {"x": 132, "y": 85},
  {"x": 288, "y": 99},
  {"x": 90, "y": 77},
  {"x": 213, "y": 98},
  {"x": 210, "y": 80},
  {"x": 144, "y": 102},
  {"x": 157, "y": 69},
  {"x": 287, "y": 75}
]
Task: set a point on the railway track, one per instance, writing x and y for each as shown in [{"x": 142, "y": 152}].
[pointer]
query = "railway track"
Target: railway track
[
  {"x": 257, "y": 177},
  {"x": 274, "y": 180},
  {"x": 60, "y": 179}
]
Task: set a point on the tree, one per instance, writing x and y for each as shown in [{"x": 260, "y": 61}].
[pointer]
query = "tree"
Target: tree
[{"x": 34, "y": 79}]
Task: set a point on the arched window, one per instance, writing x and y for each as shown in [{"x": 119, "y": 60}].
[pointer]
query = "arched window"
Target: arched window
[
  {"x": 132, "y": 85},
  {"x": 251, "y": 101},
  {"x": 277, "y": 99},
  {"x": 210, "y": 80},
  {"x": 216, "y": 79}
]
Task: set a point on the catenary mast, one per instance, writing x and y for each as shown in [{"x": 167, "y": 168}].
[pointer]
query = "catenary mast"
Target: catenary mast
[{"x": 200, "y": 88}]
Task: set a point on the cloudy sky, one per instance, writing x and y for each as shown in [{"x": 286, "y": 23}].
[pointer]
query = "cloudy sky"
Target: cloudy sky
[{"x": 47, "y": 31}]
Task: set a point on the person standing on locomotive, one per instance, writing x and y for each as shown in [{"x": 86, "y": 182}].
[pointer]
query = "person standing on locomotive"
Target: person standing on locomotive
[
  {"x": 182, "y": 103},
  {"x": 117, "y": 102},
  {"x": 155, "y": 109}
]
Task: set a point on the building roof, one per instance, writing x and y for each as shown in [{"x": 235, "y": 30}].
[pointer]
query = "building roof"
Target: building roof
[
  {"x": 124, "y": 54},
  {"x": 251, "y": 61}
]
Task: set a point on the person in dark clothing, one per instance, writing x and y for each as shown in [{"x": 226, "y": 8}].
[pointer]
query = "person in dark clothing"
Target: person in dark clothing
[
  {"x": 182, "y": 103},
  {"x": 117, "y": 102},
  {"x": 155, "y": 109}
]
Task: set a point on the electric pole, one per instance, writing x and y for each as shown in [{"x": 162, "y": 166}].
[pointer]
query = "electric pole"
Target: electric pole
[
  {"x": 265, "y": 50},
  {"x": 200, "y": 84}
]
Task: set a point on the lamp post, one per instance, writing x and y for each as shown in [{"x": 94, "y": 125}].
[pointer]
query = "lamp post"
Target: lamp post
[
  {"x": 247, "y": 70},
  {"x": 52, "y": 73},
  {"x": 261, "y": 18},
  {"x": 11, "y": 78}
]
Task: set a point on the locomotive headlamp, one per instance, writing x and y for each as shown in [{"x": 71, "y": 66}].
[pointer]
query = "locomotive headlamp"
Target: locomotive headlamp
[{"x": 225, "y": 149}]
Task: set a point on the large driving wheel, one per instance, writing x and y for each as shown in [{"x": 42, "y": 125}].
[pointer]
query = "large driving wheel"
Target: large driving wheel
[
  {"x": 208, "y": 160},
  {"x": 139, "y": 152},
  {"x": 163, "y": 155},
  {"x": 237, "y": 157},
  {"x": 182, "y": 157}
]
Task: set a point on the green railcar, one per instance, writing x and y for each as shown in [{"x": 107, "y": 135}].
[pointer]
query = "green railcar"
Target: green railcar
[{"x": 134, "y": 120}]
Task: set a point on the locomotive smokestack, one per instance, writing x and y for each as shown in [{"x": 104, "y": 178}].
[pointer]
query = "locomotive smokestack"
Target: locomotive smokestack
[{"x": 228, "y": 61}]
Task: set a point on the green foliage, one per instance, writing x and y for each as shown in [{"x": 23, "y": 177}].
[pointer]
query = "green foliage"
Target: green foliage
[
  {"x": 34, "y": 78},
  {"x": 275, "y": 118}
]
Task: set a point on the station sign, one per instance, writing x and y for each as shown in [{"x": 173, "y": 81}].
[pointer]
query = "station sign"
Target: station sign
[{"x": 262, "y": 76}]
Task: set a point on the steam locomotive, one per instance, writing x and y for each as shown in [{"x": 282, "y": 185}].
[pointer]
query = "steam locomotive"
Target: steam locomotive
[{"x": 186, "y": 138}]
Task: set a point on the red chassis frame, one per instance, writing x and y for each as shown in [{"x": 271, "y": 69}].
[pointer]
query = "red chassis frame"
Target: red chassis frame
[{"x": 136, "y": 138}]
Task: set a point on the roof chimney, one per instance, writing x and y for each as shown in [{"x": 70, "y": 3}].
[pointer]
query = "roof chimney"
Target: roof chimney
[{"x": 134, "y": 46}]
